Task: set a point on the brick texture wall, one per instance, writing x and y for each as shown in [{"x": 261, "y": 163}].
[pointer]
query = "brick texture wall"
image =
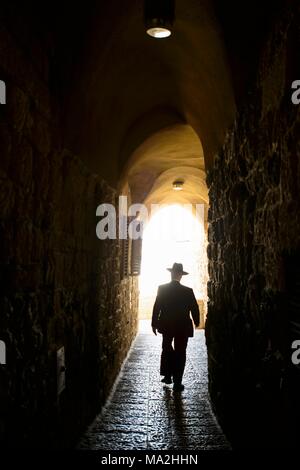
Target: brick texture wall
[
  {"x": 59, "y": 284},
  {"x": 254, "y": 222}
]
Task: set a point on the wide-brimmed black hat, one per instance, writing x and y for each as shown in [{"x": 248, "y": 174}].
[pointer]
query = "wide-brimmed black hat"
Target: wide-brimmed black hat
[{"x": 177, "y": 268}]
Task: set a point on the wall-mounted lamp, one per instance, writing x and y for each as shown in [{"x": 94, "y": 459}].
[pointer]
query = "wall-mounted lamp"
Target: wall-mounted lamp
[
  {"x": 178, "y": 185},
  {"x": 159, "y": 17}
]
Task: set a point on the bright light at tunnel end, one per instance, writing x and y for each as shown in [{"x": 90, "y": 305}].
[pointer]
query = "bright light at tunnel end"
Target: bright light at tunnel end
[{"x": 182, "y": 239}]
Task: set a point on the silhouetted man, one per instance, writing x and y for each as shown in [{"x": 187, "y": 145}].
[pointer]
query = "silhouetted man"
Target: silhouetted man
[{"x": 171, "y": 318}]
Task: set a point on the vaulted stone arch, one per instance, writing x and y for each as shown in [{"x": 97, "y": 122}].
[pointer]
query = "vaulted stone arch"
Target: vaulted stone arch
[{"x": 187, "y": 74}]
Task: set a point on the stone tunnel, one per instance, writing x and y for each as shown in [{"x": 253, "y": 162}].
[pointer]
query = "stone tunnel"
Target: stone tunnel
[{"x": 95, "y": 109}]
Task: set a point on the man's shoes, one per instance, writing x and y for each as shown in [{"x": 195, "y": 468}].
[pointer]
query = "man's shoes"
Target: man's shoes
[
  {"x": 178, "y": 387},
  {"x": 167, "y": 380}
]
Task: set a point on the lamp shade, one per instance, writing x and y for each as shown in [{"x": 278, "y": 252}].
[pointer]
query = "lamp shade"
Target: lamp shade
[
  {"x": 178, "y": 185},
  {"x": 159, "y": 17}
]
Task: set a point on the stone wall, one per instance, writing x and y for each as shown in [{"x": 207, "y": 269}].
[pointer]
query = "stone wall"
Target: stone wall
[
  {"x": 254, "y": 222},
  {"x": 60, "y": 285}
]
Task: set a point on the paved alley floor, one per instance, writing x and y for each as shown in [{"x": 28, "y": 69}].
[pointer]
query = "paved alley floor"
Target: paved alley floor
[{"x": 142, "y": 413}]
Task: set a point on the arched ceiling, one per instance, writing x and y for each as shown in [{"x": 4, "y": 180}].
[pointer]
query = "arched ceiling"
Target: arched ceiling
[
  {"x": 175, "y": 152},
  {"x": 117, "y": 87},
  {"x": 124, "y": 75},
  {"x": 194, "y": 188}
]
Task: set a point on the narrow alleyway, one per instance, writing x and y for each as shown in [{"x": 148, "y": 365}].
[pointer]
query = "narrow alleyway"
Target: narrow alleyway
[
  {"x": 135, "y": 135},
  {"x": 142, "y": 413}
]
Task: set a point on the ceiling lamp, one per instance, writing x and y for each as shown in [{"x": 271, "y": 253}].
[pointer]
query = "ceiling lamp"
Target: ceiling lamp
[
  {"x": 178, "y": 185},
  {"x": 159, "y": 17}
]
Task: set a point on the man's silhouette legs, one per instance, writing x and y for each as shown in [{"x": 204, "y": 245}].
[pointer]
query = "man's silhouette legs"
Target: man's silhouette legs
[
  {"x": 173, "y": 360},
  {"x": 167, "y": 357},
  {"x": 179, "y": 358}
]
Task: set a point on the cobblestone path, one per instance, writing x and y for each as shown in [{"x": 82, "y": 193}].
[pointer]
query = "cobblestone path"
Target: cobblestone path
[{"x": 142, "y": 413}]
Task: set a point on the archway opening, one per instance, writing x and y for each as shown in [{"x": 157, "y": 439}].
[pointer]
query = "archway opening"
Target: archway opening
[{"x": 175, "y": 233}]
